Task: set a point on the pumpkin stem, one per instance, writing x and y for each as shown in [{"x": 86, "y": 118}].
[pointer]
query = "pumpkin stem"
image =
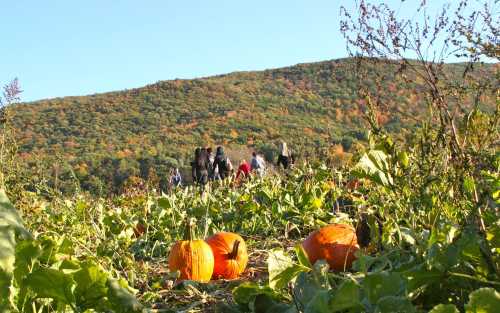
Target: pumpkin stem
[
  {"x": 189, "y": 231},
  {"x": 234, "y": 253}
]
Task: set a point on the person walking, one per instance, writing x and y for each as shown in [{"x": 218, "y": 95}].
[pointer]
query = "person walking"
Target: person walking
[
  {"x": 222, "y": 164},
  {"x": 284, "y": 157},
  {"x": 258, "y": 164},
  {"x": 211, "y": 160},
  {"x": 199, "y": 167},
  {"x": 197, "y": 152},
  {"x": 175, "y": 178},
  {"x": 243, "y": 170}
]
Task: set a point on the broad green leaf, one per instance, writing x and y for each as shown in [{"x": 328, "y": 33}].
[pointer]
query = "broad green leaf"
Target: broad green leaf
[
  {"x": 263, "y": 303},
  {"x": 245, "y": 293},
  {"x": 346, "y": 297},
  {"x": 11, "y": 226},
  {"x": 51, "y": 283},
  {"x": 163, "y": 203},
  {"x": 403, "y": 159},
  {"x": 7, "y": 259},
  {"x": 383, "y": 284},
  {"x": 10, "y": 217},
  {"x": 493, "y": 236},
  {"x": 484, "y": 300},
  {"x": 282, "y": 269},
  {"x": 407, "y": 235},
  {"x": 420, "y": 276},
  {"x": 305, "y": 287},
  {"x": 374, "y": 166},
  {"x": 65, "y": 246},
  {"x": 320, "y": 303},
  {"x": 444, "y": 308},
  {"x": 121, "y": 300},
  {"x": 365, "y": 263},
  {"x": 91, "y": 286},
  {"x": 469, "y": 185},
  {"x": 394, "y": 304},
  {"x": 26, "y": 253},
  {"x": 320, "y": 273}
]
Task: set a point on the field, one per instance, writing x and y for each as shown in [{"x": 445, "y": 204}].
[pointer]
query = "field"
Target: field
[{"x": 84, "y": 253}]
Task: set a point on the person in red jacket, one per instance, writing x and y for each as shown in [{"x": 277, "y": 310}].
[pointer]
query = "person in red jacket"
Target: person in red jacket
[{"x": 244, "y": 169}]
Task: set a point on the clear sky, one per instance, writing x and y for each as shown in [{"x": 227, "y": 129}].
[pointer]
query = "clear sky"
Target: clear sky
[{"x": 62, "y": 48}]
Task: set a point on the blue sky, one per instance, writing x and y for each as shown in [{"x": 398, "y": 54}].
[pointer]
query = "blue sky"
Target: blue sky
[{"x": 63, "y": 48}]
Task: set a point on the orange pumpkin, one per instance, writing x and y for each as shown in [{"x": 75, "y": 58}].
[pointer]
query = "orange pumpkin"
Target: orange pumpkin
[
  {"x": 230, "y": 255},
  {"x": 192, "y": 258},
  {"x": 334, "y": 243}
]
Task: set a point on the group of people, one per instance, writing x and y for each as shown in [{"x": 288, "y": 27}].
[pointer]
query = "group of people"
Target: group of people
[{"x": 207, "y": 167}]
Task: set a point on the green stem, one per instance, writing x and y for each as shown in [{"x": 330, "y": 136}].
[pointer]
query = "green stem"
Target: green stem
[
  {"x": 189, "y": 231},
  {"x": 474, "y": 278}
]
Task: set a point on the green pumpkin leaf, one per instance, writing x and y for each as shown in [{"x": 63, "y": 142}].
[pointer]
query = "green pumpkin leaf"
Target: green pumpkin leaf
[
  {"x": 246, "y": 293},
  {"x": 394, "y": 304},
  {"x": 320, "y": 303},
  {"x": 121, "y": 300},
  {"x": 484, "y": 300},
  {"x": 51, "y": 283},
  {"x": 282, "y": 269},
  {"x": 420, "y": 276},
  {"x": 91, "y": 286},
  {"x": 346, "y": 297},
  {"x": 305, "y": 287},
  {"x": 383, "y": 284},
  {"x": 11, "y": 226},
  {"x": 374, "y": 166},
  {"x": 263, "y": 303}
]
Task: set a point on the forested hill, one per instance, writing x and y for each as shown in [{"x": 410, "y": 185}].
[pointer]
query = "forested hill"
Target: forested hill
[{"x": 109, "y": 138}]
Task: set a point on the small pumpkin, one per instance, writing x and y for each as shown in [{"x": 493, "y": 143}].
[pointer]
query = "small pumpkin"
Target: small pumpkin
[
  {"x": 192, "y": 258},
  {"x": 334, "y": 243},
  {"x": 230, "y": 255}
]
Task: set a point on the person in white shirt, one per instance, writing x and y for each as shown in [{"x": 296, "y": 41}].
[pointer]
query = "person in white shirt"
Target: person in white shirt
[{"x": 258, "y": 164}]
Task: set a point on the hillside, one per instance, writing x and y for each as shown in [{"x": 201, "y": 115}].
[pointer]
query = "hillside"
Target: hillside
[{"x": 108, "y": 138}]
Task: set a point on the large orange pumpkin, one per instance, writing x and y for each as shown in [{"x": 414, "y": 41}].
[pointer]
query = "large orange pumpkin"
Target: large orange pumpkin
[
  {"x": 230, "y": 255},
  {"x": 334, "y": 243},
  {"x": 192, "y": 258}
]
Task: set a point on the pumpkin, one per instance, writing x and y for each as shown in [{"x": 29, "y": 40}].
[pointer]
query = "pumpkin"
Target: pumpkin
[
  {"x": 230, "y": 255},
  {"x": 334, "y": 243},
  {"x": 192, "y": 258}
]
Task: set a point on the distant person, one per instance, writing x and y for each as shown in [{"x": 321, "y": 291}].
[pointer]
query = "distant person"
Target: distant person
[
  {"x": 284, "y": 157},
  {"x": 244, "y": 169},
  {"x": 200, "y": 167},
  {"x": 197, "y": 152},
  {"x": 211, "y": 160},
  {"x": 258, "y": 165},
  {"x": 175, "y": 178},
  {"x": 222, "y": 164}
]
